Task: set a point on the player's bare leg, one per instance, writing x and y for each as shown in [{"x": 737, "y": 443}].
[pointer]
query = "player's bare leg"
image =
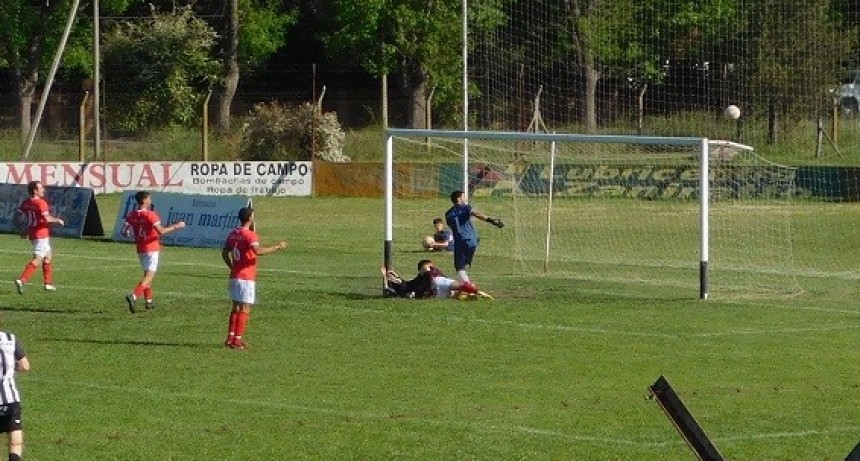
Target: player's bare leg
[{"x": 16, "y": 444}]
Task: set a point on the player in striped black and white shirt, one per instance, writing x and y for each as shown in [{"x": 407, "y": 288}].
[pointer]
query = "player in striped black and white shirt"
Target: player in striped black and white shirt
[{"x": 12, "y": 359}]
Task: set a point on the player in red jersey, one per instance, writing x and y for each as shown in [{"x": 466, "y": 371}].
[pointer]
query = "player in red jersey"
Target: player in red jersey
[
  {"x": 240, "y": 254},
  {"x": 144, "y": 225},
  {"x": 34, "y": 220}
]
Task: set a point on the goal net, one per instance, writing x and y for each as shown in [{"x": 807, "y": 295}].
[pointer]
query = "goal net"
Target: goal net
[{"x": 606, "y": 209}]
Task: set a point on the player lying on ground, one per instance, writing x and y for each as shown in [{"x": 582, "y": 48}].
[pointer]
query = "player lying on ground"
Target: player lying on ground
[{"x": 430, "y": 282}]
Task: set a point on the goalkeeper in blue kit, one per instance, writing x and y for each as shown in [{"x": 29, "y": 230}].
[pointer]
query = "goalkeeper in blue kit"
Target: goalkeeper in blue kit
[{"x": 459, "y": 220}]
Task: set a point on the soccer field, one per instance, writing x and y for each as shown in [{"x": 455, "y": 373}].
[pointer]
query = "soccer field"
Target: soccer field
[{"x": 554, "y": 368}]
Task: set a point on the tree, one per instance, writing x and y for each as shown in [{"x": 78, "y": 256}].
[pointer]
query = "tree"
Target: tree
[
  {"x": 417, "y": 39},
  {"x": 632, "y": 38},
  {"x": 163, "y": 65},
  {"x": 848, "y": 12},
  {"x": 794, "y": 53},
  {"x": 27, "y": 32},
  {"x": 263, "y": 30},
  {"x": 30, "y": 31}
]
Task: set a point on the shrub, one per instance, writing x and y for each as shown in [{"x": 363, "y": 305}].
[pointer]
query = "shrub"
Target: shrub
[
  {"x": 278, "y": 132},
  {"x": 158, "y": 71}
]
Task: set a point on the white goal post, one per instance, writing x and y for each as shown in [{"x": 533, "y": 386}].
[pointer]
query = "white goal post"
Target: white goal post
[{"x": 412, "y": 178}]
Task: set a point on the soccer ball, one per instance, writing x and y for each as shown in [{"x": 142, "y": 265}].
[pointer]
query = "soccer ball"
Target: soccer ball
[
  {"x": 428, "y": 242},
  {"x": 732, "y": 112}
]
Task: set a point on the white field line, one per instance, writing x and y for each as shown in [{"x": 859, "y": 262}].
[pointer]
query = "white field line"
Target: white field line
[
  {"x": 381, "y": 415},
  {"x": 797, "y": 272},
  {"x": 460, "y": 424},
  {"x": 73, "y": 258},
  {"x": 792, "y": 434},
  {"x": 493, "y": 322}
]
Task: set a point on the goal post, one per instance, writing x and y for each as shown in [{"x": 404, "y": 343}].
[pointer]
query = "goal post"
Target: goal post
[{"x": 601, "y": 207}]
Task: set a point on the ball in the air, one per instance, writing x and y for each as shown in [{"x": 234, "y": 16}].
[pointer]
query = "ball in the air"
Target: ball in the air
[
  {"x": 732, "y": 112},
  {"x": 428, "y": 242}
]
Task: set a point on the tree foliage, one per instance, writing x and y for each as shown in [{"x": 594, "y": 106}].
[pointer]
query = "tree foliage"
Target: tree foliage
[
  {"x": 794, "y": 53},
  {"x": 262, "y": 31},
  {"x": 418, "y": 40},
  {"x": 783, "y": 52},
  {"x": 161, "y": 68}
]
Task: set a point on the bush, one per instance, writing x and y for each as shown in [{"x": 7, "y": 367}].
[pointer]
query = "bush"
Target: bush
[
  {"x": 278, "y": 132},
  {"x": 158, "y": 70}
]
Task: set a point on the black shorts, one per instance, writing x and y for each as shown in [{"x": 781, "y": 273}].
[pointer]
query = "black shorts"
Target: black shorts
[
  {"x": 463, "y": 256},
  {"x": 10, "y": 417}
]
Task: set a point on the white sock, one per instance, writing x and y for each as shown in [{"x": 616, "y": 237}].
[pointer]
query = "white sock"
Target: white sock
[{"x": 463, "y": 276}]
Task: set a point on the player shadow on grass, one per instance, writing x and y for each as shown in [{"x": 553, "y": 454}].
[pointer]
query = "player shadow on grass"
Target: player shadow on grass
[
  {"x": 131, "y": 342},
  {"x": 353, "y": 296},
  {"x": 43, "y": 310}
]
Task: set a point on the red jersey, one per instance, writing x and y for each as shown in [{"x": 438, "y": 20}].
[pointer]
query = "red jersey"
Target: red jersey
[
  {"x": 242, "y": 244},
  {"x": 142, "y": 224},
  {"x": 36, "y": 210}
]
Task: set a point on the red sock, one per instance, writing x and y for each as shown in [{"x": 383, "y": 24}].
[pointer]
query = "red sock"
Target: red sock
[
  {"x": 241, "y": 323},
  {"x": 231, "y": 326},
  {"x": 147, "y": 293},
  {"x": 28, "y": 271},
  {"x": 468, "y": 287},
  {"x": 138, "y": 290},
  {"x": 48, "y": 272}
]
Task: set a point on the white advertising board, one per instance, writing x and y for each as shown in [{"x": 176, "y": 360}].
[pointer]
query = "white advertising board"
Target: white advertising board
[
  {"x": 206, "y": 178},
  {"x": 208, "y": 219}
]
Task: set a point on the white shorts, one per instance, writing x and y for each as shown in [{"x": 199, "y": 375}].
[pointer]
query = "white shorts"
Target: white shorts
[
  {"x": 148, "y": 261},
  {"x": 41, "y": 247},
  {"x": 443, "y": 286},
  {"x": 242, "y": 291}
]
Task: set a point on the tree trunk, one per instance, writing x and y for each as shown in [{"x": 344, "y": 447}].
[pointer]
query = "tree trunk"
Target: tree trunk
[
  {"x": 25, "y": 90},
  {"x": 416, "y": 84},
  {"x": 230, "y": 79},
  {"x": 640, "y": 108},
  {"x": 577, "y": 12},
  {"x": 772, "y": 124},
  {"x": 27, "y": 75},
  {"x": 418, "y": 103},
  {"x": 592, "y": 75}
]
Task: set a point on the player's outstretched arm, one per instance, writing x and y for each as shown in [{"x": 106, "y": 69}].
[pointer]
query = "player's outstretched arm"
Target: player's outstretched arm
[
  {"x": 173, "y": 227},
  {"x": 276, "y": 247},
  {"x": 494, "y": 221},
  {"x": 54, "y": 220}
]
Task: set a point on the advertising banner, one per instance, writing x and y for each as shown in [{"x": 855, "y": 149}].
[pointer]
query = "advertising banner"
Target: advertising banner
[
  {"x": 209, "y": 178},
  {"x": 643, "y": 181},
  {"x": 76, "y": 206},
  {"x": 208, "y": 219}
]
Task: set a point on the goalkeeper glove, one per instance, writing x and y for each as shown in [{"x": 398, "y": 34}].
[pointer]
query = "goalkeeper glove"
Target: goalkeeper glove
[{"x": 496, "y": 222}]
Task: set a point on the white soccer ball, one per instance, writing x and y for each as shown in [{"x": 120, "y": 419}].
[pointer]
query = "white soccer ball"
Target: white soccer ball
[
  {"x": 732, "y": 112},
  {"x": 427, "y": 243}
]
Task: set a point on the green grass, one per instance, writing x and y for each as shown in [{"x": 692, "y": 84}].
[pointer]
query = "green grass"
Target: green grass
[{"x": 555, "y": 368}]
